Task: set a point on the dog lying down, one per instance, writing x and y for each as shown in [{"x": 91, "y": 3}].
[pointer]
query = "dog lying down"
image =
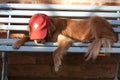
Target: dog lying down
[{"x": 66, "y": 31}]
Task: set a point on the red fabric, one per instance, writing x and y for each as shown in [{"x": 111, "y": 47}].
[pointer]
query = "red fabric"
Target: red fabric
[{"x": 38, "y": 24}]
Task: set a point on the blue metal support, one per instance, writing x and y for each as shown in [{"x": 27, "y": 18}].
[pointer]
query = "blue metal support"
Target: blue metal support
[
  {"x": 118, "y": 61},
  {"x": 4, "y": 75},
  {"x": 117, "y": 68}
]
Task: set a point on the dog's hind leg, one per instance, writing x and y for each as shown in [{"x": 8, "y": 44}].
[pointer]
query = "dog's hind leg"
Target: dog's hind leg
[
  {"x": 63, "y": 44},
  {"x": 20, "y": 42}
]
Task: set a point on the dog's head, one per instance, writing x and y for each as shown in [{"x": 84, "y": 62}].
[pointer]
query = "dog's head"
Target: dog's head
[{"x": 40, "y": 27}]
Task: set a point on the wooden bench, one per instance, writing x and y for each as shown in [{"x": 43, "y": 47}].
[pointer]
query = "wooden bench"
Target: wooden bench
[{"x": 15, "y": 17}]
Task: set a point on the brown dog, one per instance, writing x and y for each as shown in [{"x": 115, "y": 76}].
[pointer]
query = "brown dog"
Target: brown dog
[{"x": 66, "y": 31}]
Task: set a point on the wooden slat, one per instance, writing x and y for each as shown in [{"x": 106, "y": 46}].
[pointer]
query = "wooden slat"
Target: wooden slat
[
  {"x": 60, "y": 7},
  {"x": 114, "y": 22},
  {"x": 26, "y": 20},
  {"x": 60, "y": 13},
  {"x": 14, "y": 20},
  {"x": 24, "y": 27},
  {"x": 51, "y": 49},
  {"x": 50, "y": 44},
  {"x": 13, "y": 27}
]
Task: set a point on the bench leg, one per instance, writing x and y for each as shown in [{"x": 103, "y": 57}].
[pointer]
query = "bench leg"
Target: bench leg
[
  {"x": 117, "y": 68},
  {"x": 4, "y": 75}
]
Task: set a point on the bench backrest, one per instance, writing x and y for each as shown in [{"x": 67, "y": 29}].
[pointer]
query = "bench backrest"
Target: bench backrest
[{"x": 16, "y": 16}]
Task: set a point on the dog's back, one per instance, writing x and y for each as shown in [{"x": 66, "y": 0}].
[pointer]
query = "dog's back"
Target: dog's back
[{"x": 70, "y": 28}]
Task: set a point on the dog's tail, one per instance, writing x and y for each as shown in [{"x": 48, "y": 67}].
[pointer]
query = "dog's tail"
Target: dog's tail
[
  {"x": 94, "y": 48},
  {"x": 102, "y": 34}
]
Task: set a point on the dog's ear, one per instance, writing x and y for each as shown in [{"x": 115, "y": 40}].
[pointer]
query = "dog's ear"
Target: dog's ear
[
  {"x": 28, "y": 28},
  {"x": 51, "y": 29}
]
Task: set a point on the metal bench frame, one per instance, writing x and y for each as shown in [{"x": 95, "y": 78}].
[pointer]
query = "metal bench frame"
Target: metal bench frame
[{"x": 16, "y": 17}]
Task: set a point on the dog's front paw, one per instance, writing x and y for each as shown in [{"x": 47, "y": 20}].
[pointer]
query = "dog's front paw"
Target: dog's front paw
[
  {"x": 16, "y": 45},
  {"x": 57, "y": 66},
  {"x": 57, "y": 63}
]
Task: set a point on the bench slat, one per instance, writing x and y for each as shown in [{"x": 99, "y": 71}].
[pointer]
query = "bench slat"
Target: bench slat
[
  {"x": 60, "y": 13},
  {"x": 51, "y": 49},
  {"x": 26, "y": 20},
  {"x": 14, "y": 20},
  {"x": 60, "y": 7},
  {"x": 52, "y": 44},
  {"x": 13, "y": 27},
  {"x": 24, "y": 27}
]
